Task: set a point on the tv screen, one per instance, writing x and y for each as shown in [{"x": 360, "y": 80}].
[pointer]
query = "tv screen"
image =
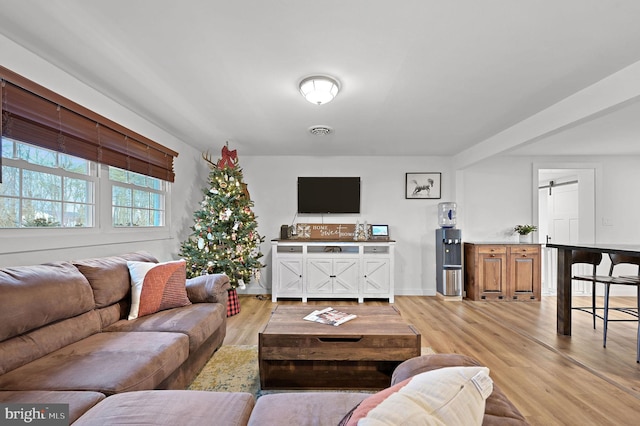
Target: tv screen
[{"x": 328, "y": 195}]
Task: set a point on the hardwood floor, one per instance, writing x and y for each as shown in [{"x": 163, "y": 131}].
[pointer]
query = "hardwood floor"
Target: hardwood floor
[{"x": 552, "y": 379}]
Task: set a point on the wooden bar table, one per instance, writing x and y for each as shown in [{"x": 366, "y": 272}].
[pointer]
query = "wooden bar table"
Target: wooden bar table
[{"x": 564, "y": 275}]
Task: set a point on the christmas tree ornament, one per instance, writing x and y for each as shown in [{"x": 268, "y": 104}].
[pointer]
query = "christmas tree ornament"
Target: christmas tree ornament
[{"x": 228, "y": 158}]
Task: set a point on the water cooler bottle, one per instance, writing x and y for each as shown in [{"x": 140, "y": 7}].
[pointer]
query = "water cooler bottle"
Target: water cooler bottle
[{"x": 448, "y": 252}]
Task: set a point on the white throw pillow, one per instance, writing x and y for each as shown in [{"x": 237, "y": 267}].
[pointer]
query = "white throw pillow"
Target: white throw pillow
[{"x": 446, "y": 396}]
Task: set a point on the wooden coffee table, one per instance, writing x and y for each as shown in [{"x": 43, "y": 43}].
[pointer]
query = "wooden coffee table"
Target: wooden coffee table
[{"x": 359, "y": 354}]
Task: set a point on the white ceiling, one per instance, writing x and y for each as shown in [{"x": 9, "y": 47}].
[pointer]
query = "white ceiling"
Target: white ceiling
[{"x": 418, "y": 77}]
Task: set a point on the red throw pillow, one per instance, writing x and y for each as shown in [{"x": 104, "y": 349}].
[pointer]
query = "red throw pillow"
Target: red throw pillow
[{"x": 157, "y": 286}]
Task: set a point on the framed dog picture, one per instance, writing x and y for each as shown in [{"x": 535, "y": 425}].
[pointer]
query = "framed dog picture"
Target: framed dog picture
[{"x": 420, "y": 186}]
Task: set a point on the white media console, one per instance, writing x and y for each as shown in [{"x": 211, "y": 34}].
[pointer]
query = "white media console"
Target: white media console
[{"x": 332, "y": 269}]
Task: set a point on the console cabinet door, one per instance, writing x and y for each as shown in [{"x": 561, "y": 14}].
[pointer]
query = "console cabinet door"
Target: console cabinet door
[
  {"x": 320, "y": 276},
  {"x": 332, "y": 276},
  {"x": 345, "y": 279},
  {"x": 289, "y": 281},
  {"x": 376, "y": 276}
]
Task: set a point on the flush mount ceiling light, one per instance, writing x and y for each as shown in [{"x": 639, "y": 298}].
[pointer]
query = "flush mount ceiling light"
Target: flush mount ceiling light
[
  {"x": 319, "y": 89},
  {"x": 320, "y": 130}
]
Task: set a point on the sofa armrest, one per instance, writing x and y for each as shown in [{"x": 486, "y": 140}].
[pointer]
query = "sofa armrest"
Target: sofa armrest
[
  {"x": 499, "y": 410},
  {"x": 420, "y": 364},
  {"x": 212, "y": 288}
]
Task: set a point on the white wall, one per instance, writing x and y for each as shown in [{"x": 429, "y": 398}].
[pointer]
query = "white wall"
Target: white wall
[
  {"x": 497, "y": 196},
  {"x": 272, "y": 183}
]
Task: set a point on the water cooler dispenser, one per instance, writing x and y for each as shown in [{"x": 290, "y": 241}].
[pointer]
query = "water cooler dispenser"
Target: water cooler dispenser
[{"x": 448, "y": 252}]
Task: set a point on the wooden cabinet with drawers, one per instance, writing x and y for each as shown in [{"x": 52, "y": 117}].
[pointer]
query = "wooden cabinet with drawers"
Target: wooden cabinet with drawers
[{"x": 502, "y": 271}]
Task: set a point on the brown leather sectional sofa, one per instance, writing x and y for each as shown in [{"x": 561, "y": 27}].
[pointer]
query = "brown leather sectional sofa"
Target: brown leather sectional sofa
[{"x": 64, "y": 328}]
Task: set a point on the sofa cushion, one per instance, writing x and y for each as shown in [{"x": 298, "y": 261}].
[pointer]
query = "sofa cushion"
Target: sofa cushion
[
  {"x": 304, "y": 408},
  {"x": 447, "y": 396},
  {"x": 109, "y": 276},
  {"x": 171, "y": 407},
  {"x": 104, "y": 362},
  {"x": 157, "y": 286},
  {"x": 198, "y": 321},
  {"x": 35, "y": 344},
  {"x": 79, "y": 402},
  {"x": 28, "y": 293}
]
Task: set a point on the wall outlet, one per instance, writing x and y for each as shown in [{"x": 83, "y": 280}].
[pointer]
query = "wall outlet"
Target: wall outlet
[{"x": 607, "y": 221}]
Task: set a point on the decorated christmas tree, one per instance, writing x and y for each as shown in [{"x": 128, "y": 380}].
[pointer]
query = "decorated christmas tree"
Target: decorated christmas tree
[{"x": 225, "y": 237}]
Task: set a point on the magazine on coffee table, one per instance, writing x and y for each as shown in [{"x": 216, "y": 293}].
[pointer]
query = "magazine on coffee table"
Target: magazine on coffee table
[{"x": 330, "y": 316}]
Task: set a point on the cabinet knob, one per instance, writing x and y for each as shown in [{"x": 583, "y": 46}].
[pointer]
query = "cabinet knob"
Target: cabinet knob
[{"x": 493, "y": 255}]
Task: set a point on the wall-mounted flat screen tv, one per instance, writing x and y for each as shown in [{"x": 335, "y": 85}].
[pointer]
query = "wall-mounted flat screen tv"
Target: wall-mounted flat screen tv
[{"x": 328, "y": 195}]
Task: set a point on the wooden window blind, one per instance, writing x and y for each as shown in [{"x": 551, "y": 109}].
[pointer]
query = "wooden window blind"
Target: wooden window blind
[{"x": 34, "y": 114}]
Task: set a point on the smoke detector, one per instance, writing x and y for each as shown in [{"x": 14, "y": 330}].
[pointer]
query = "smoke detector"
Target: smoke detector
[{"x": 320, "y": 130}]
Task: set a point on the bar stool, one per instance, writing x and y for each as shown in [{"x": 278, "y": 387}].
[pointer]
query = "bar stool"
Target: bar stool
[
  {"x": 594, "y": 259},
  {"x": 628, "y": 280}
]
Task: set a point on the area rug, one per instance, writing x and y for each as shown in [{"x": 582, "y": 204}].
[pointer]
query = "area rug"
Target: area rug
[{"x": 234, "y": 368}]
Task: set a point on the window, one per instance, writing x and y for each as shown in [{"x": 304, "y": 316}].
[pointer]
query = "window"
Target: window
[
  {"x": 44, "y": 188},
  {"x": 136, "y": 200}
]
